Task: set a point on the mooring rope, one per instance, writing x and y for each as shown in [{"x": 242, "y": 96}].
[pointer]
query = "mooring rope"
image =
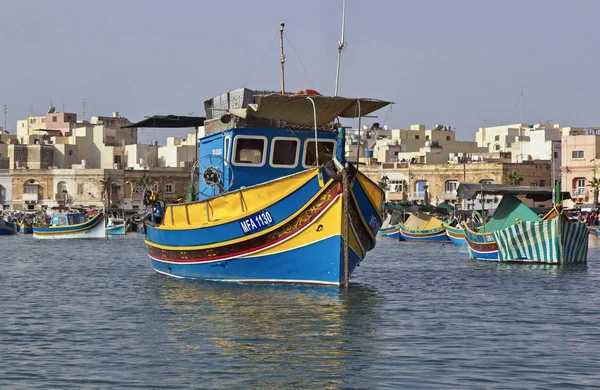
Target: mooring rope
[{"x": 346, "y": 190}]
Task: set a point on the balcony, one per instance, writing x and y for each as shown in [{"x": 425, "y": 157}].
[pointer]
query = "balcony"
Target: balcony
[
  {"x": 30, "y": 197},
  {"x": 62, "y": 198},
  {"x": 450, "y": 194},
  {"x": 579, "y": 192}
]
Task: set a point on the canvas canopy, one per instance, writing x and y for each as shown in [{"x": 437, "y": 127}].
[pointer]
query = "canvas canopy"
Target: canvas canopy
[
  {"x": 422, "y": 221},
  {"x": 298, "y": 109},
  {"x": 170, "y": 121},
  {"x": 540, "y": 194},
  {"x": 509, "y": 210}
]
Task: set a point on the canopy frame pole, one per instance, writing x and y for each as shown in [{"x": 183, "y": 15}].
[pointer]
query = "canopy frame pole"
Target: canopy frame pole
[
  {"x": 316, "y": 137},
  {"x": 341, "y": 46},
  {"x": 358, "y": 146}
]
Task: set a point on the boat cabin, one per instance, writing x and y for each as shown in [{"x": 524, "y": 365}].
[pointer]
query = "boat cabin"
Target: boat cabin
[
  {"x": 67, "y": 219},
  {"x": 249, "y": 156}
]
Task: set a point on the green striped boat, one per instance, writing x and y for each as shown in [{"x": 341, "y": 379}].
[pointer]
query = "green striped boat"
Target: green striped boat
[{"x": 553, "y": 241}]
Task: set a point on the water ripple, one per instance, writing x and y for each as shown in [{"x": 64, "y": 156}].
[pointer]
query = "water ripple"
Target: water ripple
[{"x": 93, "y": 315}]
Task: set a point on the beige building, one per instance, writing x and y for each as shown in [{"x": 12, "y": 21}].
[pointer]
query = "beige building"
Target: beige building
[
  {"x": 580, "y": 155},
  {"x": 420, "y": 145},
  {"x": 410, "y": 181}
]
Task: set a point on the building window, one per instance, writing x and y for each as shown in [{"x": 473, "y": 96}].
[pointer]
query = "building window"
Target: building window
[
  {"x": 22, "y": 124},
  {"x": 555, "y": 154},
  {"x": 54, "y": 118},
  {"x": 30, "y": 189},
  {"x": 577, "y": 154},
  {"x": 284, "y": 152},
  {"x": 325, "y": 148},
  {"x": 117, "y": 159},
  {"x": 249, "y": 150},
  {"x": 497, "y": 147},
  {"x": 69, "y": 118},
  {"x": 416, "y": 137},
  {"x": 169, "y": 188},
  {"x": 542, "y": 183},
  {"x": 451, "y": 185},
  {"x": 448, "y": 138},
  {"x": 79, "y": 188},
  {"x": 497, "y": 138},
  {"x": 427, "y": 137},
  {"x": 43, "y": 120}
]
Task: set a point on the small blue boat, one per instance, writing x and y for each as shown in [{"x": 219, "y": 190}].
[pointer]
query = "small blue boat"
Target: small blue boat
[
  {"x": 456, "y": 234},
  {"x": 72, "y": 226},
  {"x": 8, "y": 228},
  {"x": 115, "y": 229}
]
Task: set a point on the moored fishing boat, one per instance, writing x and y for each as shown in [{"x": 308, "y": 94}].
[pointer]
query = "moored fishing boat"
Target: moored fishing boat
[
  {"x": 114, "y": 228},
  {"x": 8, "y": 228},
  {"x": 25, "y": 227},
  {"x": 72, "y": 226},
  {"x": 277, "y": 202},
  {"x": 456, "y": 234},
  {"x": 422, "y": 227},
  {"x": 515, "y": 233}
]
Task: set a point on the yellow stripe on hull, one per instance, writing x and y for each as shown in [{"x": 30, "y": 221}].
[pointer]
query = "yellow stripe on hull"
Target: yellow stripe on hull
[{"x": 233, "y": 206}]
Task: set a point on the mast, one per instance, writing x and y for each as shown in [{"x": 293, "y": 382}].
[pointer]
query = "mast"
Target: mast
[
  {"x": 341, "y": 46},
  {"x": 281, "y": 26}
]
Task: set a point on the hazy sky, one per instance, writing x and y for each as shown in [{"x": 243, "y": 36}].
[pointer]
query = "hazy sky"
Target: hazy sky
[{"x": 456, "y": 62}]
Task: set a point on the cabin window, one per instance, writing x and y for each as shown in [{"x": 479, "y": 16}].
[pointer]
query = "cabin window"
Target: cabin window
[
  {"x": 62, "y": 220},
  {"x": 72, "y": 220},
  {"x": 249, "y": 150},
  {"x": 577, "y": 154},
  {"x": 326, "y": 150},
  {"x": 284, "y": 152}
]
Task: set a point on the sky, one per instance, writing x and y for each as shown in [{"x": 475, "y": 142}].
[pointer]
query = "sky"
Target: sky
[{"x": 452, "y": 62}]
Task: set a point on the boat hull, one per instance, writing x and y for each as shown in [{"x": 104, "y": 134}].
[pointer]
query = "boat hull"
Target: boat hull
[
  {"x": 115, "y": 230},
  {"x": 8, "y": 228},
  {"x": 433, "y": 235},
  {"x": 299, "y": 245},
  {"x": 92, "y": 229},
  {"x": 553, "y": 241},
  {"x": 456, "y": 235}
]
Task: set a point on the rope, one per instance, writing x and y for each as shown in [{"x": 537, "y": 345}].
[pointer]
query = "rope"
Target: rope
[
  {"x": 261, "y": 58},
  {"x": 300, "y": 60},
  {"x": 346, "y": 222}
]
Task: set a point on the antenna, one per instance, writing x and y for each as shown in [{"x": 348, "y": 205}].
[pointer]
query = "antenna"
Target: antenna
[
  {"x": 281, "y": 26},
  {"x": 83, "y": 104},
  {"x": 341, "y": 46},
  {"x": 5, "y": 110},
  {"x": 521, "y": 88}
]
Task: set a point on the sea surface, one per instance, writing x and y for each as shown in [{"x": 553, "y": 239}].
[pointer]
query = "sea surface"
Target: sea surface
[{"x": 92, "y": 314}]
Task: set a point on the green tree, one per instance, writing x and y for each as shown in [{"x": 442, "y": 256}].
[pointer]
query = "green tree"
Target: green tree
[
  {"x": 515, "y": 178},
  {"x": 595, "y": 185},
  {"x": 107, "y": 186},
  {"x": 143, "y": 181},
  {"x": 382, "y": 185}
]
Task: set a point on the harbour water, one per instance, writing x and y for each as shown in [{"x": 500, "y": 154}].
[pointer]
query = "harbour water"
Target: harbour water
[{"x": 92, "y": 314}]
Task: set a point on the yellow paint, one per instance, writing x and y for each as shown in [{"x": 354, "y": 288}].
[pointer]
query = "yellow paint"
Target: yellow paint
[
  {"x": 233, "y": 206},
  {"x": 374, "y": 193},
  {"x": 243, "y": 238}
]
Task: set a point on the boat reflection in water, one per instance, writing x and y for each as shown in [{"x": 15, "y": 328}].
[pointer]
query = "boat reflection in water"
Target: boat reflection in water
[{"x": 270, "y": 336}]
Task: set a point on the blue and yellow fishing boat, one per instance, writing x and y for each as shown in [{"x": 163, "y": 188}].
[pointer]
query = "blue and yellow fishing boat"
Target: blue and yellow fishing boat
[
  {"x": 72, "y": 226},
  {"x": 422, "y": 227},
  {"x": 277, "y": 201},
  {"x": 456, "y": 234},
  {"x": 25, "y": 227},
  {"x": 8, "y": 227},
  {"x": 515, "y": 233}
]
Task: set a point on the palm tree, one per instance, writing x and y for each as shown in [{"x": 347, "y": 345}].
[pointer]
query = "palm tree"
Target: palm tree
[
  {"x": 107, "y": 186},
  {"x": 143, "y": 181},
  {"x": 515, "y": 178},
  {"x": 595, "y": 185}
]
